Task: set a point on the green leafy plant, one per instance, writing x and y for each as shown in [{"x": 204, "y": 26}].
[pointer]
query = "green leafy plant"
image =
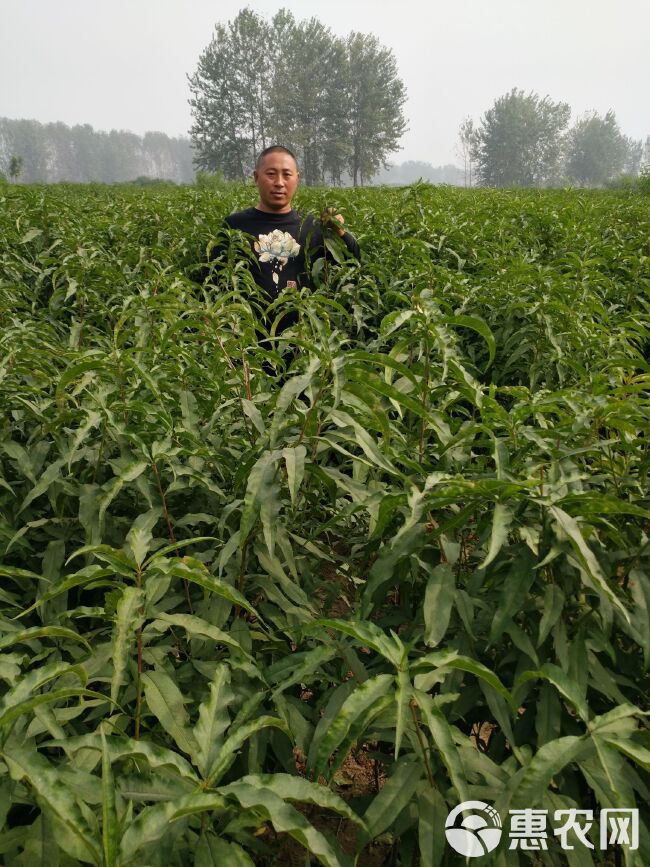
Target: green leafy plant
[{"x": 409, "y": 533}]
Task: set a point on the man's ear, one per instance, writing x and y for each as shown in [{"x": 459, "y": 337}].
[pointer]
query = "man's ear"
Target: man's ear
[{"x": 255, "y": 175}]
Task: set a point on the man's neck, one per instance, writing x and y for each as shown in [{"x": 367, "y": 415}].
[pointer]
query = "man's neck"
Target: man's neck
[{"x": 285, "y": 210}]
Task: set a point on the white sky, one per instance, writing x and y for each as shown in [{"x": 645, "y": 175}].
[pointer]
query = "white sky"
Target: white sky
[{"x": 122, "y": 63}]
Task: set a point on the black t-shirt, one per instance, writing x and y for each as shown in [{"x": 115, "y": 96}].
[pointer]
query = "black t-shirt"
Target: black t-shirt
[{"x": 284, "y": 245}]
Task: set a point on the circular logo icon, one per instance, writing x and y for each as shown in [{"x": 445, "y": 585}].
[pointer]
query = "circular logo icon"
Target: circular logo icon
[{"x": 476, "y": 833}]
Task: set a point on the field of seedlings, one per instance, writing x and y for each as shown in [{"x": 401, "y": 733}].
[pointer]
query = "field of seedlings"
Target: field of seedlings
[{"x": 291, "y": 603}]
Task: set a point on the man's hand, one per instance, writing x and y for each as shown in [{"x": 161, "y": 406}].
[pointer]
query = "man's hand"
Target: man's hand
[{"x": 329, "y": 219}]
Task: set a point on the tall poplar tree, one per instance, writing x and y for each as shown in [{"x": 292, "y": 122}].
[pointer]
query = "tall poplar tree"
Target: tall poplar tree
[
  {"x": 337, "y": 103},
  {"x": 376, "y": 100},
  {"x": 596, "y": 149},
  {"x": 519, "y": 140},
  {"x": 219, "y": 134},
  {"x": 310, "y": 91}
]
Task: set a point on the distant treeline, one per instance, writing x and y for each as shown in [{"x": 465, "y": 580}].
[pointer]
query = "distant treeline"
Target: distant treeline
[
  {"x": 415, "y": 170},
  {"x": 53, "y": 152}
]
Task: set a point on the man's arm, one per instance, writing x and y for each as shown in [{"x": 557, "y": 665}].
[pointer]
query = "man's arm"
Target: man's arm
[
  {"x": 331, "y": 219},
  {"x": 351, "y": 243}
]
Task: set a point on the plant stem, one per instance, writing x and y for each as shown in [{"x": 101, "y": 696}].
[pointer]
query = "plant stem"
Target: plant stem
[
  {"x": 308, "y": 414},
  {"x": 425, "y": 391},
  {"x": 138, "y": 684},
  {"x": 170, "y": 529},
  {"x": 423, "y": 744},
  {"x": 242, "y": 571}
]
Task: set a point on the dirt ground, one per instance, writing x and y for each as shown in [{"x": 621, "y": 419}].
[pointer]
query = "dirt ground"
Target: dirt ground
[{"x": 358, "y": 775}]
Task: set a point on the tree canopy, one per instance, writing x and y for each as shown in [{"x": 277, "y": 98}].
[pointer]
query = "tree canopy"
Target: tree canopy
[
  {"x": 522, "y": 140},
  {"x": 337, "y": 103},
  {"x": 519, "y": 140},
  {"x": 597, "y": 150}
]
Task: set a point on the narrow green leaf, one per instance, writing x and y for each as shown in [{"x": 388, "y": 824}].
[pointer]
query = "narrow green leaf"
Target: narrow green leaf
[
  {"x": 110, "y": 830},
  {"x": 165, "y": 701},
  {"x": 363, "y": 631},
  {"x": 438, "y": 603},
  {"x": 432, "y": 813},
  {"x": 364, "y": 440},
  {"x": 394, "y": 320},
  {"x": 214, "y": 719},
  {"x": 394, "y": 796},
  {"x": 153, "y": 822},
  {"x": 480, "y": 327},
  {"x": 11, "y": 714},
  {"x": 639, "y": 587},
  {"x": 295, "y": 462},
  {"x": 586, "y": 556},
  {"x": 299, "y": 667},
  {"x": 516, "y": 584},
  {"x": 50, "y": 475},
  {"x": 292, "y": 788},
  {"x": 254, "y": 415},
  {"x": 562, "y": 682},
  {"x": 284, "y": 818},
  {"x": 195, "y": 627},
  {"x": 117, "y": 559},
  {"x": 451, "y": 659},
  {"x": 189, "y": 411},
  {"x": 35, "y": 633},
  {"x": 553, "y": 605},
  {"x": 403, "y": 695},
  {"x": 443, "y": 742},
  {"x": 27, "y": 764},
  {"x": 20, "y": 575},
  {"x": 631, "y": 749},
  {"x": 195, "y": 572},
  {"x": 128, "y": 618},
  {"x": 139, "y": 537},
  {"x": 75, "y": 370},
  {"x": 502, "y": 518},
  {"x": 334, "y": 249},
  {"x": 78, "y": 579},
  {"x": 270, "y": 511},
  {"x": 549, "y": 715},
  {"x": 214, "y": 851},
  {"x": 234, "y": 742},
  {"x": 547, "y": 761},
  {"x": 37, "y": 678},
  {"x": 610, "y": 721},
  {"x": 176, "y": 546},
  {"x": 121, "y": 747},
  {"x": 614, "y": 776},
  {"x": 355, "y": 707},
  {"x": 258, "y": 487}
]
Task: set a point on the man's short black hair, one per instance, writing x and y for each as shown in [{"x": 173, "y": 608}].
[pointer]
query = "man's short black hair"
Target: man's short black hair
[{"x": 272, "y": 149}]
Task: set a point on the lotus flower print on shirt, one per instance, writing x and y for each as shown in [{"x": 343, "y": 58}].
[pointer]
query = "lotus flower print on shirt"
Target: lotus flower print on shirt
[{"x": 277, "y": 247}]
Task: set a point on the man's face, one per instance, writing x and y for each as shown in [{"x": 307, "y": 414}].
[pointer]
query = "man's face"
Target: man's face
[{"x": 276, "y": 179}]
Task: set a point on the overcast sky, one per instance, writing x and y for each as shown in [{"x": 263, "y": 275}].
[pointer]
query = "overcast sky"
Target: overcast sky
[{"x": 122, "y": 64}]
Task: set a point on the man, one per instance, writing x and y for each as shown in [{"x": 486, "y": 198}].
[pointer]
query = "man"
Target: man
[{"x": 284, "y": 242}]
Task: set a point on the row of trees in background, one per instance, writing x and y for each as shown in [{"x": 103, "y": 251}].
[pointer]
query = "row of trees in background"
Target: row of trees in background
[
  {"x": 55, "y": 152},
  {"x": 522, "y": 140},
  {"x": 337, "y": 103},
  {"x": 525, "y": 140},
  {"x": 410, "y": 171}
]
